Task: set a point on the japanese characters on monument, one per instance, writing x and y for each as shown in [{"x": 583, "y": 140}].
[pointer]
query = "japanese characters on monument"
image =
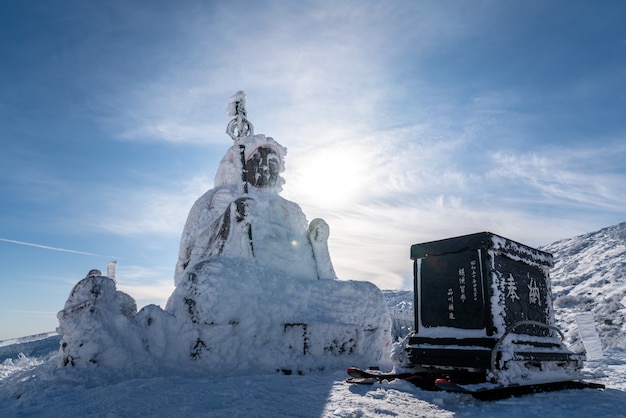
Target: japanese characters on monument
[
  {"x": 465, "y": 288},
  {"x": 451, "y": 304},
  {"x": 474, "y": 275},
  {"x": 463, "y": 297}
]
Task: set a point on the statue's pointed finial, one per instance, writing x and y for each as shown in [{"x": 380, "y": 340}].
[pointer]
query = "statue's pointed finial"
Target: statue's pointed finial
[{"x": 240, "y": 127}]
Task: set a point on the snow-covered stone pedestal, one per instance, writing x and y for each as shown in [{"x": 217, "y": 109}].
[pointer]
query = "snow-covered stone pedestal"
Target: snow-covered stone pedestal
[
  {"x": 236, "y": 314},
  {"x": 255, "y": 286}
]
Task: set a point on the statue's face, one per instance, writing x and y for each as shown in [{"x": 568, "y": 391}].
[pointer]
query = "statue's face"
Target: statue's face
[{"x": 263, "y": 167}]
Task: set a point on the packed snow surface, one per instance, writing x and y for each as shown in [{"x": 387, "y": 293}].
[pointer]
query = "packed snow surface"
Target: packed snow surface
[{"x": 32, "y": 387}]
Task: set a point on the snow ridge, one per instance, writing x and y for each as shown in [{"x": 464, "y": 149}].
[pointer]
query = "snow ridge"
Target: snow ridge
[{"x": 589, "y": 275}]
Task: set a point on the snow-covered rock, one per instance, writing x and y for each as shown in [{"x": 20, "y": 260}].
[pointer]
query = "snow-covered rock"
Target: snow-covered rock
[{"x": 95, "y": 323}]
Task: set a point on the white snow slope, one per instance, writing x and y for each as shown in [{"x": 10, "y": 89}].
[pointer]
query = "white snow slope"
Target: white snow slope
[{"x": 589, "y": 276}]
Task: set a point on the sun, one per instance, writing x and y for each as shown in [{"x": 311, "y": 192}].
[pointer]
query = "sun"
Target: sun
[{"x": 333, "y": 177}]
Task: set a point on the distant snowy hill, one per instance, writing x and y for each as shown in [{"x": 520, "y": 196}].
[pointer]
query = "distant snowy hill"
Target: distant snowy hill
[
  {"x": 400, "y": 304},
  {"x": 590, "y": 276},
  {"x": 32, "y": 346}
]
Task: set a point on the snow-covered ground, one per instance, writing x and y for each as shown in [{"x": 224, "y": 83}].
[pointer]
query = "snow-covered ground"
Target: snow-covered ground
[{"x": 29, "y": 387}]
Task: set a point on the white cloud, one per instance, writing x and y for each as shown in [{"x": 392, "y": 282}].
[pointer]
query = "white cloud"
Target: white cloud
[
  {"x": 305, "y": 68},
  {"x": 135, "y": 211},
  {"x": 382, "y": 194},
  {"x": 568, "y": 176},
  {"x": 379, "y": 154},
  {"x": 146, "y": 285}
]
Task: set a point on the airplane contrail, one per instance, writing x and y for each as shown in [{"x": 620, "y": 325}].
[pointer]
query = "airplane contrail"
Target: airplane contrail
[{"x": 46, "y": 247}]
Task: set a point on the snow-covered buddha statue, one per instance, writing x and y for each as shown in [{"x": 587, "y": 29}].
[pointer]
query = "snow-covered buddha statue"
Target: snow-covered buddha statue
[
  {"x": 249, "y": 219},
  {"x": 255, "y": 287}
]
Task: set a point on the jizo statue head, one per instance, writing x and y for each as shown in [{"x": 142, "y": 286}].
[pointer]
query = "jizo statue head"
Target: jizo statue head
[{"x": 263, "y": 167}]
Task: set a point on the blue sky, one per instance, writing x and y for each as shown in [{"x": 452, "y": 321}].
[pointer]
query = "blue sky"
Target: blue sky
[{"x": 405, "y": 121}]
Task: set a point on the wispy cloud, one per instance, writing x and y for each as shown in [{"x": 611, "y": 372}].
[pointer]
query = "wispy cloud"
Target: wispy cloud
[
  {"x": 373, "y": 148},
  {"x": 131, "y": 210},
  {"x": 384, "y": 193},
  {"x": 46, "y": 247},
  {"x": 151, "y": 285},
  {"x": 321, "y": 66},
  {"x": 568, "y": 176}
]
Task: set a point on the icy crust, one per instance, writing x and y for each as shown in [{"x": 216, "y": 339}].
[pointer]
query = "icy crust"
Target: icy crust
[
  {"x": 226, "y": 317},
  {"x": 446, "y": 332},
  {"x": 520, "y": 252},
  {"x": 95, "y": 323},
  {"x": 229, "y": 170},
  {"x": 498, "y": 303},
  {"x": 278, "y": 227},
  {"x": 258, "y": 224},
  {"x": 240, "y": 314}
]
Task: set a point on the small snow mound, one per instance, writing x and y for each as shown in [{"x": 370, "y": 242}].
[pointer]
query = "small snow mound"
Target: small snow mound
[{"x": 95, "y": 324}]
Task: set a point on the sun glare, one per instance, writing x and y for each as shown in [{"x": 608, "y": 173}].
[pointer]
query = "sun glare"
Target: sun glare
[{"x": 327, "y": 178}]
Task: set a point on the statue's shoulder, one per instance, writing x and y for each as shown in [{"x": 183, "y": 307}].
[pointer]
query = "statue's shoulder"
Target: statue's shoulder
[{"x": 213, "y": 201}]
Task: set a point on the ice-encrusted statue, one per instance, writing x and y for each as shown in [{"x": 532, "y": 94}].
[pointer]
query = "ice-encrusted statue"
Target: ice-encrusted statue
[
  {"x": 252, "y": 271},
  {"x": 255, "y": 287},
  {"x": 243, "y": 215}
]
